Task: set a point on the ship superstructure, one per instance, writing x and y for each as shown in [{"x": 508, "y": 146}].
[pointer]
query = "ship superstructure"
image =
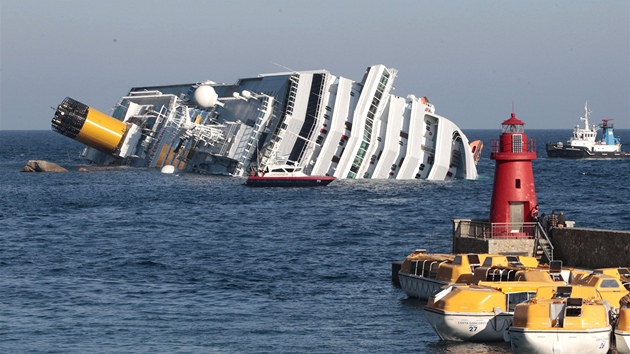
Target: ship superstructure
[{"x": 326, "y": 124}]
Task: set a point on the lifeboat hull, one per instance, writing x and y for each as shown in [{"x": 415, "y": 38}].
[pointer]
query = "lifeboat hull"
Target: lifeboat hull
[
  {"x": 622, "y": 332},
  {"x": 416, "y": 286},
  {"x": 469, "y": 327},
  {"x": 622, "y": 340},
  {"x": 585, "y": 341}
]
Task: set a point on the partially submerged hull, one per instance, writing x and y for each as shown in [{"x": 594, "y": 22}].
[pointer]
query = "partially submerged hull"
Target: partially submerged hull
[{"x": 327, "y": 124}]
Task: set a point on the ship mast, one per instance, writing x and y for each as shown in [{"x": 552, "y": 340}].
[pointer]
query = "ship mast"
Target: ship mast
[{"x": 587, "y": 114}]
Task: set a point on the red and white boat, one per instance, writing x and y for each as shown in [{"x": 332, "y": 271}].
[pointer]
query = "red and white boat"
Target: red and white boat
[{"x": 285, "y": 176}]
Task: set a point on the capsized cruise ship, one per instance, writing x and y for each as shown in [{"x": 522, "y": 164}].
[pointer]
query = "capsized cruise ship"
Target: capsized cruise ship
[{"x": 326, "y": 124}]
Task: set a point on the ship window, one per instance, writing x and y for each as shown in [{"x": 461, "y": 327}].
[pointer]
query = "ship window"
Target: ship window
[{"x": 518, "y": 183}]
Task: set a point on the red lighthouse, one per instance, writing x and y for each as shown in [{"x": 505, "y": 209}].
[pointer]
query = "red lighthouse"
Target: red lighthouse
[{"x": 513, "y": 193}]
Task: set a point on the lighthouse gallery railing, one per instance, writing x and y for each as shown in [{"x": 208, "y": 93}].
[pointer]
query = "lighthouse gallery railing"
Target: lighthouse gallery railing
[{"x": 484, "y": 229}]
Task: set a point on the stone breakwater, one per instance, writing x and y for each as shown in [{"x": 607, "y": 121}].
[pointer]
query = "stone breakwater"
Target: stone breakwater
[{"x": 591, "y": 248}]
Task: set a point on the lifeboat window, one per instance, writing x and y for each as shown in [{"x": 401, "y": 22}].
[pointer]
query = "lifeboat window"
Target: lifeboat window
[
  {"x": 513, "y": 261},
  {"x": 574, "y": 301},
  {"x": 574, "y": 307},
  {"x": 473, "y": 259},
  {"x": 563, "y": 292},
  {"x": 609, "y": 283},
  {"x": 555, "y": 267},
  {"x": 457, "y": 260},
  {"x": 624, "y": 272}
]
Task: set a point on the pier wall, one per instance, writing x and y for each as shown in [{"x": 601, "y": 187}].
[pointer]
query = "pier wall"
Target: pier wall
[
  {"x": 523, "y": 247},
  {"x": 591, "y": 248}
]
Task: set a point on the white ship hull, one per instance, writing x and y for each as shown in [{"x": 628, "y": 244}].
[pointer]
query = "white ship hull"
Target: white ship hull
[
  {"x": 469, "y": 327},
  {"x": 589, "y": 341},
  {"x": 327, "y": 125},
  {"x": 622, "y": 341},
  {"x": 416, "y": 286}
]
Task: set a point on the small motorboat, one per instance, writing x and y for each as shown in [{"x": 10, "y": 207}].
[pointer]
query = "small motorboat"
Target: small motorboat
[
  {"x": 285, "y": 176},
  {"x": 574, "y": 320}
]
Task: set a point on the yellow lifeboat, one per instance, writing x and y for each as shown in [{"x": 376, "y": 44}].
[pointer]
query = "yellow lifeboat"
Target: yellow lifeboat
[
  {"x": 478, "y": 313},
  {"x": 610, "y": 288},
  {"x": 422, "y": 274},
  {"x": 622, "y": 332},
  {"x": 573, "y": 320}
]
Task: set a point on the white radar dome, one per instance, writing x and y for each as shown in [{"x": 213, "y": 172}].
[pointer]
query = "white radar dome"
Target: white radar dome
[{"x": 206, "y": 96}]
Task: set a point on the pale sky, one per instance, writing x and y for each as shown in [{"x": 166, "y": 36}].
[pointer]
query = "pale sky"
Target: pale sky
[{"x": 472, "y": 59}]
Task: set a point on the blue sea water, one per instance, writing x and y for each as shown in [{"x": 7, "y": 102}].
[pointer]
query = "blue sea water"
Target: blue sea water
[{"x": 130, "y": 260}]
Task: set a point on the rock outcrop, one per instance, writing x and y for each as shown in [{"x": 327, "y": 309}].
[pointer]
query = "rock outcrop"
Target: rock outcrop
[{"x": 42, "y": 166}]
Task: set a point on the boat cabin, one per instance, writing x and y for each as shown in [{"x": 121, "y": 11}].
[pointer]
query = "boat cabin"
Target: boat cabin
[
  {"x": 462, "y": 268},
  {"x": 610, "y": 288}
]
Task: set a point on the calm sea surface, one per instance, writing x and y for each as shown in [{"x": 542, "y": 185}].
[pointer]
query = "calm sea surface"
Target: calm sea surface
[{"x": 134, "y": 261}]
